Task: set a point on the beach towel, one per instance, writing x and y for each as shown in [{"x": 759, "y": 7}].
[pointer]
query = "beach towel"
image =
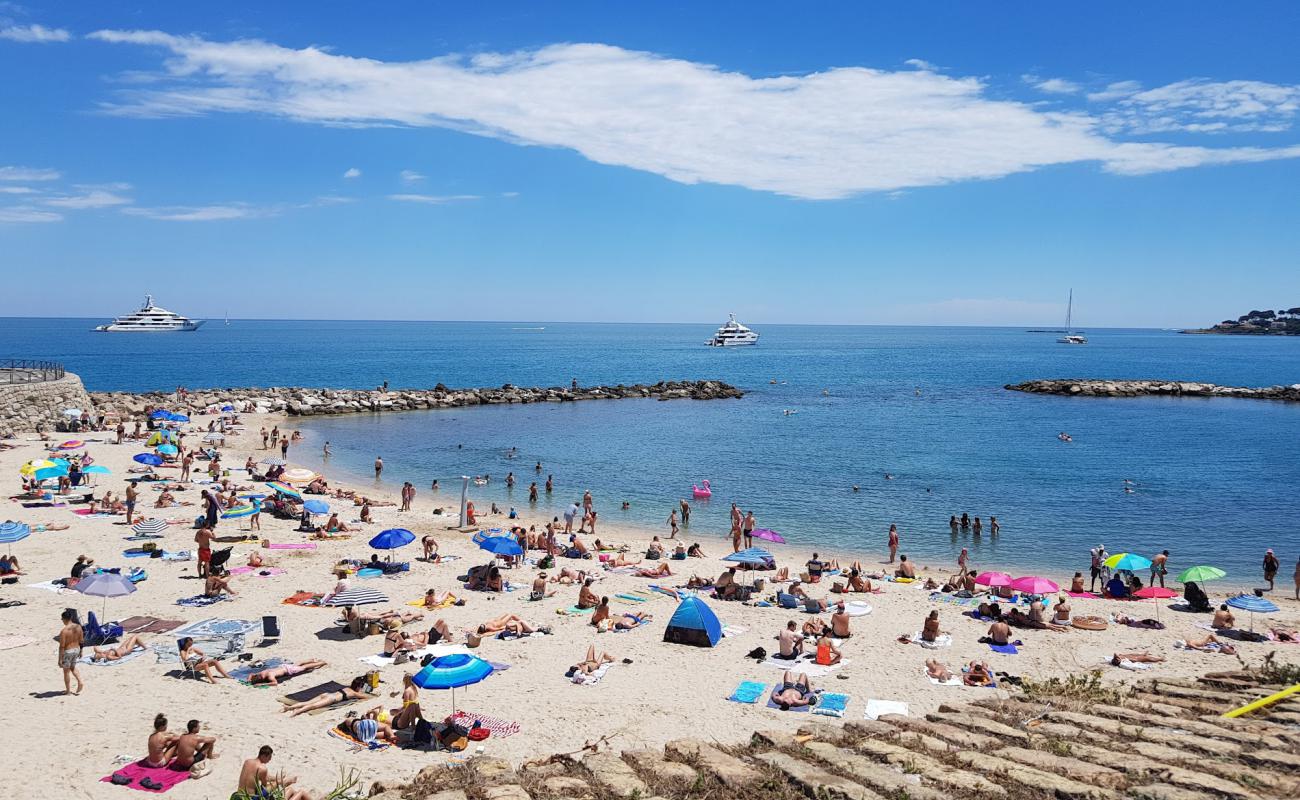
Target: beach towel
[
  {"x": 89, "y": 659},
  {"x": 435, "y": 650},
  {"x": 631, "y": 598},
  {"x": 952, "y": 681},
  {"x": 806, "y": 664},
  {"x": 796, "y": 709},
  {"x": 257, "y": 572},
  {"x": 942, "y": 640},
  {"x": 161, "y": 626},
  {"x": 1008, "y": 649},
  {"x": 977, "y": 616},
  {"x": 575, "y": 610},
  {"x": 1132, "y": 665},
  {"x": 584, "y": 679},
  {"x": 748, "y": 692},
  {"x": 450, "y": 601},
  {"x": 199, "y": 601},
  {"x": 500, "y": 728},
  {"x": 356, "y": 743},
  {"x": 90, "y": 512},
  {"x": 878, "y": 708},
  {"x": 733, "y": 630},
  {"x": 44, "y": 504},
  {"x": 138, "y": 771},
  {"x": 292, "y": 546},
  {"x": 831, "y": 704},
  {"x": 243, "y": 672},
  {"x": 49, "y": 586},
  {"x": 309, "y": 599}
]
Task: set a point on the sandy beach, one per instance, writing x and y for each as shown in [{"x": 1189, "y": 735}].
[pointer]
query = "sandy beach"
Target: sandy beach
[{"x": 667, "y": 691}]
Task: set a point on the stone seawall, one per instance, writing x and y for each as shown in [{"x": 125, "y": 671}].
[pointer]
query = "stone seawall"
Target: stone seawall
[
  {"x": 1102, "y": 388},
  {"x": 24, "y": 406},
  {"x": 309, "y": 402}
]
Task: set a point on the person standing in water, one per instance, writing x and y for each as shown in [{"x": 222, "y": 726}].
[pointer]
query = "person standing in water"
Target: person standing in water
[
  {"x": 978, "y": 528},
  {"x": 893, "y": 542},
  {"x": 326, "y": 451},
  {"x": 747, "y": 528},
  {"x": 994, "y": 527},
  {"x": 379, "y": 466},
  {"x": 1159, "y": 568},
  {"x": 672, "y": 524},
  {"x": 1271, "y": 566},
  {"x": 686, "y": 511}
]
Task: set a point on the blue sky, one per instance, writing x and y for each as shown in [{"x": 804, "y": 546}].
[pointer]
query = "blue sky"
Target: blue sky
[{"x": 951, "y": 163}]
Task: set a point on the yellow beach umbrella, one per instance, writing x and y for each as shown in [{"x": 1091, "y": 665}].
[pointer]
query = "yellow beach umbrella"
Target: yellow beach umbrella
[{"x": 31, "y": 466}]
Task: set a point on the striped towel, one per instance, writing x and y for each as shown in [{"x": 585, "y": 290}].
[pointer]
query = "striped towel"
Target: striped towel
[{"x": 500, "y": 728}]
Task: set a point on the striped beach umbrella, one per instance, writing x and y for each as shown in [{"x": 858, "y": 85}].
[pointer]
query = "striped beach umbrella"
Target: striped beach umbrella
[
  {"x": 272, "y": 461},
  {"x": 239, "y": 512},
  {"x": 214, "y": 437},
  {"x": 11, "y": 532},
  {"x": 299, "y": 475},
  {"x": 357, "y": 596},
  {"x": 149, "y": 527},
  {"x": 284, "y": 489},
  {"x": 1253, "y": 604},
  {"x": 72, "y": 444}
]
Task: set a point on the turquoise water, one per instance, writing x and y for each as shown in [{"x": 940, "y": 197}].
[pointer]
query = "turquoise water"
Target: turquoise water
[{"x": 1217, "y": 480}]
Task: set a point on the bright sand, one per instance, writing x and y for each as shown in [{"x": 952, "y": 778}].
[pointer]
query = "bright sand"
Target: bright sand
[{"x": 668, "y": 691}]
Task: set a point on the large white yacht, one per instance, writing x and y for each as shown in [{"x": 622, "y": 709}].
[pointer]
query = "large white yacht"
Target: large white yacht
[
  {"x": 151, "y": 318},
  {"x": 733, "y": 334}
]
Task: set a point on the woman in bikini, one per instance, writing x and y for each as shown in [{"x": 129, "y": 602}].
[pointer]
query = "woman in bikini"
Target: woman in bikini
[
  {"x": 407, "y": 715},
  {"x": 120, "y": 651},
  {"x": 196, "y": 660},
  {"x": 272, "y": 675},
  {"x": 329, "y": 698},
  {"x": 593, "y": 661},
  {"x": 978, "y": 674}
]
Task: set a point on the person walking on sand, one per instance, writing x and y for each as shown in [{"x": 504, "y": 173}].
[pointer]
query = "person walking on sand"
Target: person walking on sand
[
  {"x": 1159, "y": 568},
  {"x": 186, "y": 463},
  {"x": 71, "y": 638},
  {"x": 132, "y": 495},
  {"x": 379, "y": 466},
  {"x": 893, "y": 542},
  {"x": 1271, "y": 566}
]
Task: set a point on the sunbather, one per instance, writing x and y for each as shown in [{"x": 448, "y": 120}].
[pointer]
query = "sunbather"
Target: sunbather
[
  {"x": 631, "y": 619},
  {"x": 1134, "y": 622},
  {"x": 218, "y": 583},
  {"x": 333, "y": 525},
  {"x": 330, "y": 697},
  {"x": 999, "y": 633},
  {"x": 621, "y": 560},
  {"x": 930, "y": 631},
  {"x": 9, "y": 565},
  {"x": 118, "y": 651},
  {"x": 367, "y": 728},
  {"x": 790, "y": 641},
  {"x": 407, "y": 715},
  {"x": 1223, "y": 619},
  {"x": 434, "y": 598},
  {"x": 1137, "y": 658},
  {"x": 593, "y": 661},
  {"x": 568, "y": 575},
  {"x": 794, "y": 693},
  {"x": 1210, "y": 644},
  {"x": 192, "y": 747},
  {"x": 511, "y": 623},
  {"x": 977, "y": 674},
  {"x": 660, "y": 571},
  {"x": 937, "y": 670},
  {"x": 197, "y": 661},
  {"x": 856, "y": 583},
  {"x": 586, "y": 597},
  {"x": 272, "y": 675},
  {"x": 539, "y": 590}
]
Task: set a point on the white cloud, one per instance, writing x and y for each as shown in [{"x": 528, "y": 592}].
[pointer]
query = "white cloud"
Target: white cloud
[
  {"x": 28, "y": 174},
  {"x": 411, "y": 176},
  {"x": 38, "y": 34},
  {"x": 27, "y": 214},
  {"x": 16, "y": 190},
  {"x": 510, "y": 194},
  {"x": 1052, "y": 85},
  {"x": 212, "y": 213},
  {"x": 331, "y": 200},
  {"x": 352, "y": 172},
  {"x": 824, "y": 135},
  {"x": 1200, "y": 106},
  {"x": 96, "y": 198},
  {"x": 434, "y": 199},
  {"x": 1115, "y": 91},
  {"x": 921, "y": 64}
]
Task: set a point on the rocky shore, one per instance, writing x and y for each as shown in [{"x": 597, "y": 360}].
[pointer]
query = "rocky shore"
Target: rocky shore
[
  {"x": 297, "y": 401},
  {"x": 1103, "y": 388}
]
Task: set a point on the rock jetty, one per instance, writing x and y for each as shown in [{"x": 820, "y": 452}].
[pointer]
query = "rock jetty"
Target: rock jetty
[
  {"x": 1102, "y": 388},
  {"x": 297, "y": 401}
]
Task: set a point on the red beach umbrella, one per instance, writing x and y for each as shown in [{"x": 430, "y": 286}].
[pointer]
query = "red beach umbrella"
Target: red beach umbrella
[{"x": 1155, "y": 593}]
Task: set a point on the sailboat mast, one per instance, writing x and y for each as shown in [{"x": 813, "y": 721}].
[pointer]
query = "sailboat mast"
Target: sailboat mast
[{"x": 1069, "y": 314}]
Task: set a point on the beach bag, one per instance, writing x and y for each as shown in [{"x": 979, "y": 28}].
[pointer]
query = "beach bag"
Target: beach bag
[
  {"x": 423, "y": 732},
  {"x": 473, "y": 640}
]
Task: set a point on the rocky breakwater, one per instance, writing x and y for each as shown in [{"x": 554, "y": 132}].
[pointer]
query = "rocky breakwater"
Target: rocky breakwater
[
  {"x": 308, "y": 402},
  {"x": 1101, "y": 388}
]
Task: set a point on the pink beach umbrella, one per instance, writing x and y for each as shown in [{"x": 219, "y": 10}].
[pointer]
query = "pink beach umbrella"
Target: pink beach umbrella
[
  {"x": 768, "y": 535},
  {"x": 992, "y": 579},
  {"x": 1155, "y": 593},
  {"x": 1032, "y": 584}
]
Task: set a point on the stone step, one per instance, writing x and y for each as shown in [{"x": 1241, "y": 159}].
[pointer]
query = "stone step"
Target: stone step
[
  {"x": 932, "y": 769},
  {"x": 652, "y": 766},
  {"x": 815, "y": 781},
  {"x": 951, "y": 733},
  {"x": 508, "y": 791},
  {"x": 1095, "y": 774},
  {"x": 1178, "y": 702},
  {"x": 1165, "y": 770},
  {"x": 492, "y": 771},
  {"x": 613, "y": 773},
  {"x": 1199, "y": 693},
  {"x": 870, "y": 727},
  {"x": 971, "y": 718},
  {"x": 1034, "y": 779},
  {"x": 874, "y": 775},
  {"x": 1157, "y": 791},
  {"x": 566, "y": 786},
  {"x": 1135, "y": 733},
  {"x": 734, "y": 773},
  {"x": 1196, "y": 726},
  {"x": 1066, "y": 733}
]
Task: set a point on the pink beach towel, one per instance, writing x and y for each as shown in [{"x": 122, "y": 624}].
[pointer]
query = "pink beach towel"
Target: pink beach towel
[
  {"x": 1085, "y": 595},
  {"x": 139, "y": 770},
  {"x": 292, "y": 546}
]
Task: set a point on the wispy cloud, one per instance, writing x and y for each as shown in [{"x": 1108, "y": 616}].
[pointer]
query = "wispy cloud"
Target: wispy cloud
[
  {"x": 824, "y": 135},
  {"x": 434, "y": 199},
  {"x": 16, "y": 190},
  {"x": 1052, "y": 85},
  {"x": 96, "y": 198},
  {"x": 352, "y": 172},
  {"x": 1200, "y": 106},
  {"x": 410, "y": 176},
  {"x": 20, "y": 214},
  {"x": 213, "y": 213},
  {"x": 28, "y": 174},
  {"x": 34, "y": 34}
]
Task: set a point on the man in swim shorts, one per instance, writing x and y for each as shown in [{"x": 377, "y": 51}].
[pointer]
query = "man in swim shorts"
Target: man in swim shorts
[{"x": 70, "y": 642}]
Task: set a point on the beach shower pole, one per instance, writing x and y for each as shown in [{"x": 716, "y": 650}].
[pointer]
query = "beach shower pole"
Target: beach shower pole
[{"x": 464, "y": 499}]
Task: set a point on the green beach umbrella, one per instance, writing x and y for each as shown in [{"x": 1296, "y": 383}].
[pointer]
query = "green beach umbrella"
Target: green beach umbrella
[{"x": 1201, "y": 574}]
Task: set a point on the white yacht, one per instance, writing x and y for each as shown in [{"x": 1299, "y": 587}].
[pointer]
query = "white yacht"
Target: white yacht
[
  {"x": 151, "y": 318},
  {"x": 1070, "y": 336},
  {"x": 733, "y": 334}
]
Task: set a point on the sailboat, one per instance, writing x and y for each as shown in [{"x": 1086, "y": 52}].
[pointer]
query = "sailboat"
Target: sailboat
[{"x": 1070, "y": 336}]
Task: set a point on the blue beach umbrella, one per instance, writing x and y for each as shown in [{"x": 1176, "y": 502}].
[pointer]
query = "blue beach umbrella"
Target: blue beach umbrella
[
  {"x": 451, "y": 672},
  {"x": 502, "y": 546},
  {"x": 751, "y": 555},
  {"x": 1128, "y": 561},
  {"x": 49, "y": 472},
  {"x": 177, "y": 418},
  {"x": 147, "y": 458},
  {"x": 1253, "y": 604},
  {"x": 227, "y": 407},
  {"x": 161, "y": 413},
  {"x": 392, "y": 539},
  {"x": 317, "y": 506},
  {"x": 239, "y": 512},
  {"x": 96, "y": 469},
  {"x": 11, "y": 532},
  {"x": 490, "y": 533},
  {"x": 167, "y": 449}
]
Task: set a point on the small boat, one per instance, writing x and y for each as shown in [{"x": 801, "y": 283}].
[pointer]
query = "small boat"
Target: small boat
[
  {"x": 1070, "y": 336},
  {"x": 151, "y": 319},
  {"x": 732, "y": 334}
]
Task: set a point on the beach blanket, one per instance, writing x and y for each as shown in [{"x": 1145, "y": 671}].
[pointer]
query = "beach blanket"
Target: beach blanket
[
  {"x": 878, "y": 708},
  {"x": 169, "y": 556},
  {"x": 1008, "y": 649},
  {"x": 435, "y": 650},
  {"x": 49, "y": 586},
  {"x": 831, "y": 704},
  {"x": 1131, "y": 665},
  {"x": 806, "y": 664},
  {"x": 1211, "y": 647},
  {"x": 90, "y": 512},
  {"x": 257, "y": 572},
  {"x": 46, "y": 504},
  {"x": 355, "y": 742},
  {"x": 1084, "y": 595},
  {"x": 585, "y": 679},
  {"x": 796, "y": 709},
  {"x": 500, "y": 728},
  {"x": 243, "y": 672},
  {"x": 631, "y": 598},
  {"x": 199, "y": 601},
  {"x": 450, "y": 601},
  {"x": 131, "y": 656},
  {"x": 574, "y": 610},
  {"x": 733, "y": 630},
  {"x": 955, "y": 680},
  {"x": 310, "y": 599},
  {"x": 138, "y": 771},
  {"x": 291, "y": 546},
  {"x": 942, "y": 640},
  {"x": 748, "y": 692}
]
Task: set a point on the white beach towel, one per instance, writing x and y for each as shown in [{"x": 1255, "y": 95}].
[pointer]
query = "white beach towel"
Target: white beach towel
[
  {"x": 592, "y": 679},
  {"x": 733, "y": 630},
  {"x": 49, "y": 586},
  {"x": 857, "y": 608},
  {"x": 805, "y": 664},
  {"x": 1133, "y": 665},
  {"x": 436, "y": 650},
  {"x": 942, "y": 640},
  {"x": 89, "y": 659},
  {"x": 955, "y": 680},
  {"x": 878, "y": 708}
]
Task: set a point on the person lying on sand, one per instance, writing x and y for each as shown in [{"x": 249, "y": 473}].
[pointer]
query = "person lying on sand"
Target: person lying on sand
[
  {"x": 1137, "y": 658},
  {"x": 119, "y": 651},
  {"x": 354, "y": 691},
  {"x": 351, "y": 615},
  {"x": 621, "y": 560},
  {"x": 1020, "y": 619},
  {"x": 1134, "y": 622},
  {"x": 795, "y": 692},
  {"x": 1204, "y": 644},
  {"x": 397, "y": 640},
  {"x": 935, "y": 669},
  {"x": 660, "y": 571},
  {"x": 272, "y": 675},
  {"x": 592, "y": 661},
  {"x": 977, "y": 674},
  {"x": 814, "y": 627},
  {"x": 696, "y": 582},
  {"x": 568, "y": 575},
  {"x": 512, "y": 623},
  {"x": 367, "y": 728}
]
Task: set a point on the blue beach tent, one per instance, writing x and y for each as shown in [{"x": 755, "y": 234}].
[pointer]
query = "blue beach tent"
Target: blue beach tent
[{"x": 693, "y": 623}]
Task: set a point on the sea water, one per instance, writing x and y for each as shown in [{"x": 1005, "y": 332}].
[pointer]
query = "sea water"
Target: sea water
[{"x": 1216, "y": 480}]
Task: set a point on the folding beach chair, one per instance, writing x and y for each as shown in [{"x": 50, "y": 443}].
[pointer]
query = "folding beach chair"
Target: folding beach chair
[{"x": 270, "y": 629}]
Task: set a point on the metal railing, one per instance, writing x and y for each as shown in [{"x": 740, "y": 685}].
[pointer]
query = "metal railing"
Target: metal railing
[{"x": 23, "y": 370}]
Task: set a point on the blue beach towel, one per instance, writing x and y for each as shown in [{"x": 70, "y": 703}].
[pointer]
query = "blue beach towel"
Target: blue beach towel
[
  {"x": 631, "y": 598},
  {"x": 748, "y": 692},
  {"x": 831, "y": 705},
  {"x": 1008, "y": 649},
  {"x": 198, "y": 601},
  {"x": 243, "y": 673}
]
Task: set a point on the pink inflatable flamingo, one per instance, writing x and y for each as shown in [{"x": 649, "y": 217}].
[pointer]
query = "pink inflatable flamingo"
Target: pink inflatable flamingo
[{"x": 702, "y": 491}]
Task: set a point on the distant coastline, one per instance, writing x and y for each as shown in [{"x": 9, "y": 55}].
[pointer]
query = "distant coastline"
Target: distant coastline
[{"x": 1257, "y": 323}]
